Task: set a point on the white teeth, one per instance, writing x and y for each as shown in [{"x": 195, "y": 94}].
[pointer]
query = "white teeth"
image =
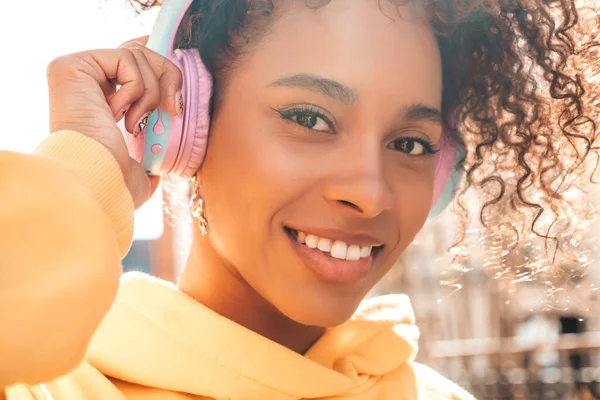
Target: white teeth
[
  {"x": 336, "y": 249},
  {"x": 365, "y": 251},
  {"x": 301, "y": 237},
  {"x": 312, "y": 241},
  {"x": 324, "y": 245},
  {"x": 353, "y": 253},
  {"x": 339, "y": 250}
]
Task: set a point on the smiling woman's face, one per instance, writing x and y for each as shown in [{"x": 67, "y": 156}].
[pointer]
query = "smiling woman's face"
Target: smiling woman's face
[{"x": 324, "y": 137}]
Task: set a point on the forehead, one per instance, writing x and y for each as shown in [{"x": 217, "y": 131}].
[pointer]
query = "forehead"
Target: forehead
[{"x": 374, "y": 47}]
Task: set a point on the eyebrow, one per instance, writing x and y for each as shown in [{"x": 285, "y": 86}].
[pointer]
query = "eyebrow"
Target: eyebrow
[
  {"x": 417, "y": 112},
  {"x": 420, "y": 112},
  {"x": 331, "y": 88}
]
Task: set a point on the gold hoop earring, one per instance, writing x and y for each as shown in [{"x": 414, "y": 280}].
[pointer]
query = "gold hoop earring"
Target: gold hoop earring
[{"x": 197, "y": 208}]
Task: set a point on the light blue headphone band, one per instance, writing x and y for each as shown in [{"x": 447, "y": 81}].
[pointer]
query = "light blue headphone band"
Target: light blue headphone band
[
  {"x": 451, "y": 186},
  {"x": 166, "y": 24},
  {"x": 161, "y": 41}
]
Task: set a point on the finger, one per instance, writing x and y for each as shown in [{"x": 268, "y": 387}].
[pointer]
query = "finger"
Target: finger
[
  {"x": 170, "y": 80},
  {"x": 137, "y": 42},
  {"x": 169, "y": 77},
  {"x": 123, "y": 70},
  {"x": 150, "y": 100},
  {"x": 109, "y": 89}
]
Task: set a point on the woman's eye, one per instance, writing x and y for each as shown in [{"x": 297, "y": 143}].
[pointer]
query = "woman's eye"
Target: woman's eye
[
  {"x": 310, "y": 121},
  {"x": 308, "y": 117},
  {"x": 413, "y": 146}
]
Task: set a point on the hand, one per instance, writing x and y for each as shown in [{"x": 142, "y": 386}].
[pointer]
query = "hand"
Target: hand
[{"x": 85, "y": 97}]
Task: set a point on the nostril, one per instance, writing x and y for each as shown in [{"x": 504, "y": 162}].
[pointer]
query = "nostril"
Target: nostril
[{"x": 350, "y": 205}]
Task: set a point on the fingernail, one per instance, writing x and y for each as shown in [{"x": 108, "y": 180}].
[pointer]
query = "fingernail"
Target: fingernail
[
  {"x": 141, "y": 125},
  {"x": 179, "y": 104},
  {"x": 121, "y": 113}
]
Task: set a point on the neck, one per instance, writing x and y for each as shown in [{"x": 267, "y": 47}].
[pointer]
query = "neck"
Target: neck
[{"x": 211, "y": 281}]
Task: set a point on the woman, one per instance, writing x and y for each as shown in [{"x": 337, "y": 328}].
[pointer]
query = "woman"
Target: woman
[{"x": 325, "y": 118}]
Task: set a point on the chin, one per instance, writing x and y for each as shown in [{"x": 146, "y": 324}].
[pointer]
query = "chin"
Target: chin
[
  {"x": 323, "y": 308},
  {"x": 315, "y": 289}
]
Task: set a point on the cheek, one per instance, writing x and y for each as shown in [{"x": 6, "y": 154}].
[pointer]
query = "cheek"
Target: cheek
[
  {"x": 245, "y": 181},
  {"x": 413, "y": 196}
]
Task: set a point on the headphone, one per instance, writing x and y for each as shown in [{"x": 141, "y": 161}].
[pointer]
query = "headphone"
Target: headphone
[{"x": 173, "y": 145}]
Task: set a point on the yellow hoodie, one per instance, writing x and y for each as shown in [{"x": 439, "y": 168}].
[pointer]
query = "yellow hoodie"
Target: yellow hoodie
[{"x": 158, "y": 343}]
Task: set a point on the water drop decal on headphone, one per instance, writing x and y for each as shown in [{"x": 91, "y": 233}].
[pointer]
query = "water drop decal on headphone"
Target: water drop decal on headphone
[
  {"x": 156, "y": 149},
  {"x": 159, "y": 127}
]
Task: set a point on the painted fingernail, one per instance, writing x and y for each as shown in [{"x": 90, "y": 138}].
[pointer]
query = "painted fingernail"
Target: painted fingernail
[
  {"x": 141, "y": 125},
  {"x": 121, "y": 113},
  {"x": 179, "y": 105}
]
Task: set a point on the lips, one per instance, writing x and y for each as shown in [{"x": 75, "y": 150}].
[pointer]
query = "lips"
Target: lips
[{"x": 334, "y": 260}]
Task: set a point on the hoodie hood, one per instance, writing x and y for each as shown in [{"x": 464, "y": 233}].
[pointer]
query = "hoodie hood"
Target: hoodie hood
[{"x": 157, "y": 336}]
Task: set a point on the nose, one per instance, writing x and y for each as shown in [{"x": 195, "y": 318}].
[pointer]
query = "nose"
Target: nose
[{"x": 360, "y": 187}]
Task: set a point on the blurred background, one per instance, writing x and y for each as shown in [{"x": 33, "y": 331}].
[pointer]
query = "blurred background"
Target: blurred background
[{"x": 501, "y": 336}]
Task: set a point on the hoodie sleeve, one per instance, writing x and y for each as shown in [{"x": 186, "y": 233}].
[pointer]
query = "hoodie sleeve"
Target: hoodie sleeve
[
  {"x": 100, "y": 173},
  {"x": 66, "y": 221}
]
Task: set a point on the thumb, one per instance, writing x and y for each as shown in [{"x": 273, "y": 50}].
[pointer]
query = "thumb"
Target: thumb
[{"x": 138, "y": 184}]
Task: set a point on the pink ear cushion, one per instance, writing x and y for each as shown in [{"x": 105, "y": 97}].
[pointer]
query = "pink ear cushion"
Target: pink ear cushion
[
  {"x": 444, "y": 165},
  {"x": 197, "y": 96}
]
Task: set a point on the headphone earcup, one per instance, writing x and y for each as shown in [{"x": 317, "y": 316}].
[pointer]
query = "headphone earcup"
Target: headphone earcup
[
  {"x": 173, "y": 145},
  {"x": 447, "y": 175},
  {"x": 198, "y": 86}
]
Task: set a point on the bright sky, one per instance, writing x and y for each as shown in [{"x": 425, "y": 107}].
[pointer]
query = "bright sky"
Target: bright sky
[{"x": 35, "y": 32}]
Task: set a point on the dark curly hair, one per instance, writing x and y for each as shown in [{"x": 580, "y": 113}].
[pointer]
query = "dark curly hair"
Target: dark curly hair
[{"x": 520, "y": 76}]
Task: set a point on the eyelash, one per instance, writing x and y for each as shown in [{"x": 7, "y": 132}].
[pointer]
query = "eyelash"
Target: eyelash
[
  {"x": 295, "y": 111},
  {"x": 428, "y": 147}
]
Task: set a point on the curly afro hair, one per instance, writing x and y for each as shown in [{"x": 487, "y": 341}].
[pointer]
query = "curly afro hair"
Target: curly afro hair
[{"x": 521, "y": 78}]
